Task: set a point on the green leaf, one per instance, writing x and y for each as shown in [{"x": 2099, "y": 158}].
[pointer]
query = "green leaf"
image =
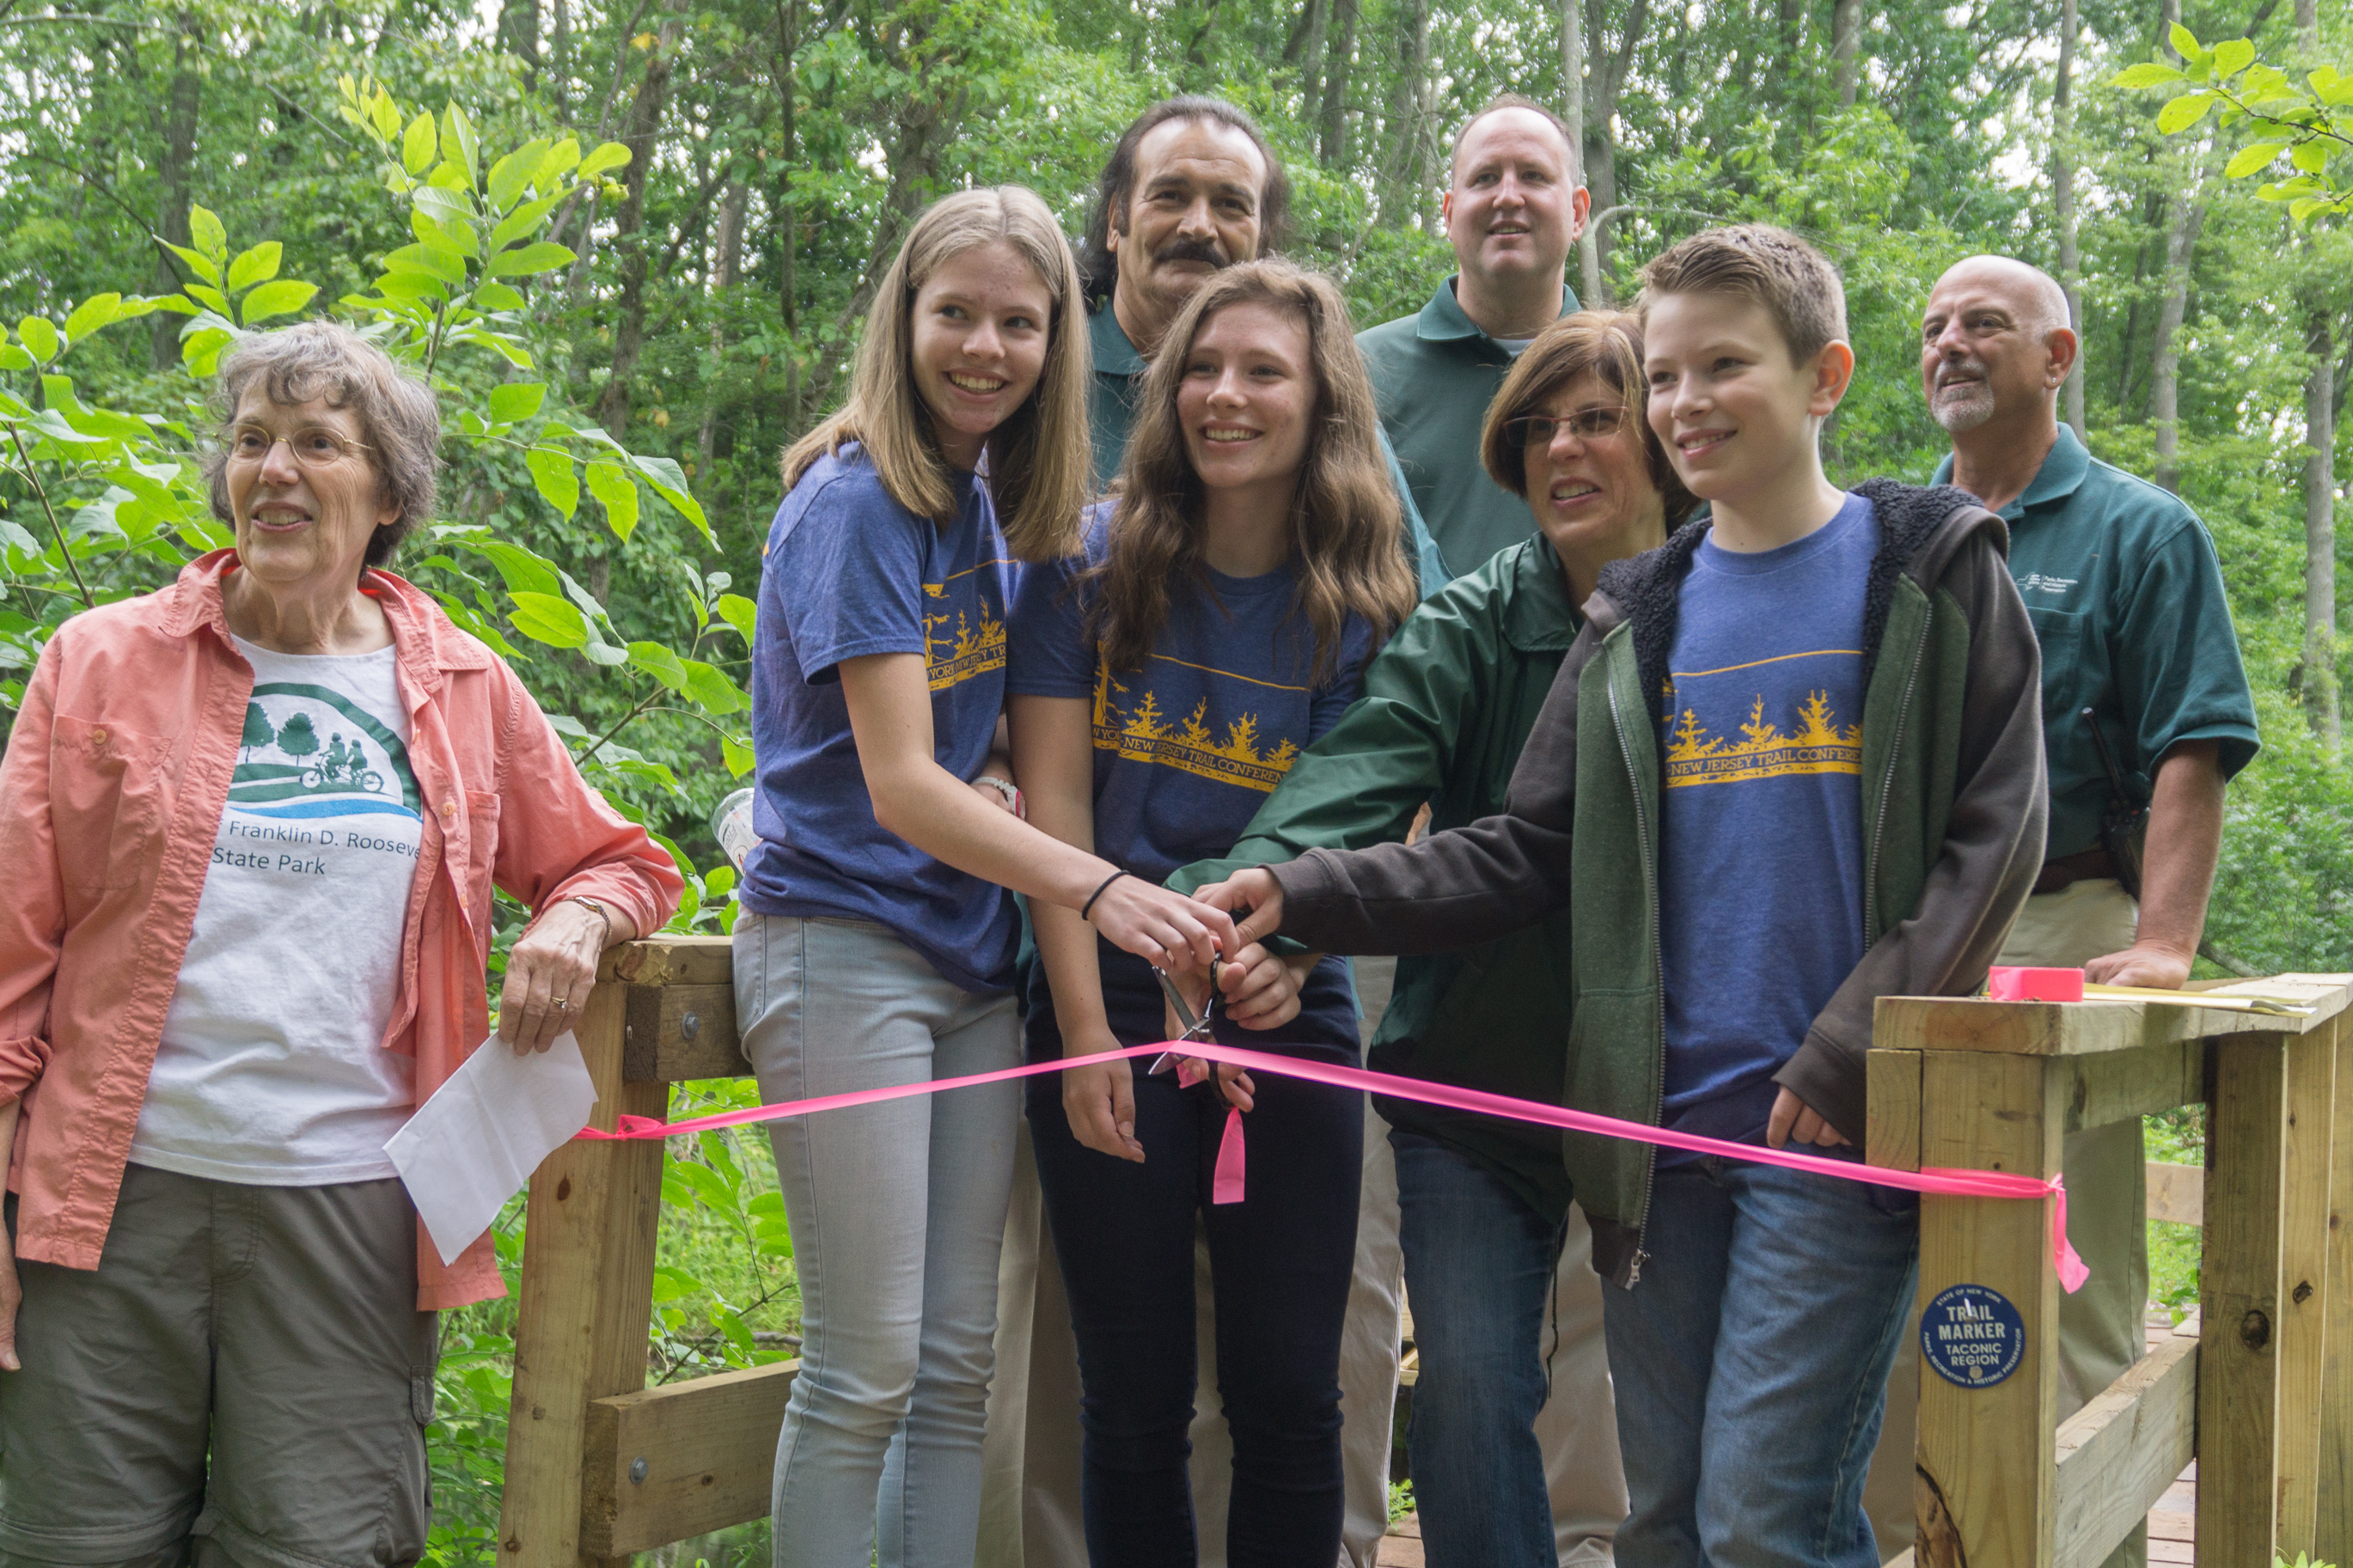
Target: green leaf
[
  {"x": 673, "y": 1284},
  {"x": 610, "y": 484},
  {"x": 412, "y": 286},
  {"x": 458, "y": 131},
  {"x": 560, "y": 159},
  {"x": 212, "y": 300},
  {"x": 2312, "y": 156},
  {"x": 668, "y": 482},
  {"x": 2304, "y": 207},
  {"x": 2149, "y": 73},
  {"x": 661, "y": 664},
  {"x": 255, "y": 266},
  {"x": 517, "y": 400},
  {"x": 205, "y": 232},
  {"x": 498, "y": 296},
  {"x": 418, "y": 145},
  {"x": 555, "y": 478},
  {"x": 608, "y": 156},
  {"x": 384, "y": 114},
  {"x": 605, "y": 654},
  {"x": 281, "y": 298},
  {"x": 638, "y": 767},
  {"x": 13, "y": 358},
  {"x": 510, "y": 176},
  {"x": 97, "y": 311},
  {"x": 451, "y": 211},
  {"x": 523, "y": 572},
  {"x": 2232, "y": 56},
  {"x": 522, "y": 221},
  {"x": 2183, "y": 112},
  {"x": 710, "y": 687},
  {"x": 198, "y": 262},
  {"x": 2185, "y": 42},
  {"x": 543, "y": 617},
  {"x": 2252, "y": 160},
  {"x": 447, "y": 265},
  {"x": 738, "y": 756},
  {"x": 740, "y": 613},
  {"x": 39, "y": 334},
  {"x": 539, "y": 257}
]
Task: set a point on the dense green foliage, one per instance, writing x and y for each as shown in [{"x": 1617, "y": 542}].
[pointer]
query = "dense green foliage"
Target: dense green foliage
[{"x": 632, "y": 240}]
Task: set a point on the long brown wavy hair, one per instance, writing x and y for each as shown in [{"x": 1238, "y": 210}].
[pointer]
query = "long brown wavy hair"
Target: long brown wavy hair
[
  {"x": 1345, "y": 532},
  {"x": 1038, "y": 458}
]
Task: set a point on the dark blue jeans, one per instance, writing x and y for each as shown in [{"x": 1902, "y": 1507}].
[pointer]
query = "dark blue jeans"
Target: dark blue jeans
[
  {"x": 1751, "y": 1362},
  {"x": 1281, "y": 1262},
  {"x": 1478, "y": 1268}
]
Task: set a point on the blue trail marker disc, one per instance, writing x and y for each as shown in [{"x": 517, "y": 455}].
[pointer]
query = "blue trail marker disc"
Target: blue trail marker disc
[{"x": 1972, "y": 1335}]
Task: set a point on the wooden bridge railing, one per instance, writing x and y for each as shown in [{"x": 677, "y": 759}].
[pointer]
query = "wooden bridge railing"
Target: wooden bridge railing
[
  {"x": 2262, "y": 1396},
  {"x": 600, "y": 1466}
]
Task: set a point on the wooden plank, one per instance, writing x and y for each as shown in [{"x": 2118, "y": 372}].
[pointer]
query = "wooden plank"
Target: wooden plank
[
  {"x": 1985, "y": 1469},
  {"x": 586, "y": 1304},
  {"x": 1891, "y": 1132},
  {"x": 671, "y": 961},
  {"x": 2238, "y": 1391},
  {"x": 2123, "y": 1086},
  {"x": 2302, "y": 1325},
  {"x": 2333, "y": 1512},
  {"x": 666, "y": 1464},
  {"x": 2087, "y": 1028},
  {"x": 2177, "y": 1194},
  {"x": 2118, "y": 1454},
  {"x": 683, "y": 1031}
]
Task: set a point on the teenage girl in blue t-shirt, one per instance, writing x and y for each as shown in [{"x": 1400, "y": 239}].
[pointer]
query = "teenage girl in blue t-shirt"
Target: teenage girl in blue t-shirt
[
  {"x": 877, "y": 944},
  {"x": 1216, "y": 624}
]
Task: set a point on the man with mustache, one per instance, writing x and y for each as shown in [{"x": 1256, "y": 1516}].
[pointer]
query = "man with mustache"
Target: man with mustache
[
  {"x": 1514, "y": 208},
  {"x": 1191, "y": 186},
  {"x": 2122, "y": 584}
]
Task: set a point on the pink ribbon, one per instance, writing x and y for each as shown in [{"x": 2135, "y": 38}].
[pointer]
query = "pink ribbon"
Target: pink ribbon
[{"x": 1227, "y": 1182}]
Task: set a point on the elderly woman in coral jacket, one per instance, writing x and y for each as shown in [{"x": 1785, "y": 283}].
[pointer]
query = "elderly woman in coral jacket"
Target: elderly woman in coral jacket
[{"x": 251, "y": 825}]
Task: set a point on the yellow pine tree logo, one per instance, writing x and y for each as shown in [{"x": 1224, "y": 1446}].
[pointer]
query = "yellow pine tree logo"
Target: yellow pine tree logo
[
  {"x": 1141, "y": 731},
  {"x": 970, "y": 649},
  {"x": 1819, "y": 745}
]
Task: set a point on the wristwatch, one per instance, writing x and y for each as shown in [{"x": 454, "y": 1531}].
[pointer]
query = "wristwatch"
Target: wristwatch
[
  {"x": 1010, "y": 791},
  {"x": 602, "y": 913}
]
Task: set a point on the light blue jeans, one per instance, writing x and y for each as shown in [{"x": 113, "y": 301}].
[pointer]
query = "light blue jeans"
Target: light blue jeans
[
  {"x": 1751, "y": 1365},
  {"x": 897, "y": 1214}
]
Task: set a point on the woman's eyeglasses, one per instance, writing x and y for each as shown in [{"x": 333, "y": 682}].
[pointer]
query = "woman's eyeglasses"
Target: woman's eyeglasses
[
  {"x": 1587, "y": 425},
  {"x": 314, "y": 447}
]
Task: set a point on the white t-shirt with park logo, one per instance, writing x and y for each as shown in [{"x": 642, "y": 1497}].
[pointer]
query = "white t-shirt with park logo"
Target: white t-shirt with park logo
[{"x": 271, "y": 1070}]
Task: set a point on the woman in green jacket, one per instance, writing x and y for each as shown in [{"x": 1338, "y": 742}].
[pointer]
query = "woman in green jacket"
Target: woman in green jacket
[{"x": 1484, "y": 1203}]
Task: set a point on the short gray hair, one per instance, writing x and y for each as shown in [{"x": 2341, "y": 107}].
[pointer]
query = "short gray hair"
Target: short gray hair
[{"x": 400, "y": 420}]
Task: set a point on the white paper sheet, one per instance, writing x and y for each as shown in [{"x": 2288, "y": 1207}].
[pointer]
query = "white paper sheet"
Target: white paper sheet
[{"x": 473, "y": 1145}]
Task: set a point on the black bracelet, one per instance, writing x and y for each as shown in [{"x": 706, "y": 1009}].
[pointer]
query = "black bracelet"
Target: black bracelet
[{"x": 1098, "y": 893}]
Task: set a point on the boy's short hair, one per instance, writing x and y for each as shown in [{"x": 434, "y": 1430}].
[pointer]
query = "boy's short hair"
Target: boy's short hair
[{"x": 1769, "y": 266}]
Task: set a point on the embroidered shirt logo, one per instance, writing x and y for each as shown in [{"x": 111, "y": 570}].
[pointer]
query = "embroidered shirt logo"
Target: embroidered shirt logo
[
  {"x": 2036, "y": 583},
  {"x": 1141, "y": 733},
  {"x": 307, "y": 751}
]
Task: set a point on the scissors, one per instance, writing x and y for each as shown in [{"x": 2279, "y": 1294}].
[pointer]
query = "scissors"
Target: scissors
[{"x": 1195, "y": 1028}]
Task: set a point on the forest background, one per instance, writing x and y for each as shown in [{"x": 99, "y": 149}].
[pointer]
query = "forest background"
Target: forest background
[{"x": 632, "y": 241}]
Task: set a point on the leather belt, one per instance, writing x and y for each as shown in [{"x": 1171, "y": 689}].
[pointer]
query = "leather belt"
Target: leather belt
[{"x": 2082, "y": 866}]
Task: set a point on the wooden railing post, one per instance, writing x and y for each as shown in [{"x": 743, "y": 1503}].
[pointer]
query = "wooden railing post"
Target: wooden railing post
[
  {"x": 1987, "y": 1485},
  {"x": 587, "y": 1300},
  {"x": 2332, "y": 1535}
]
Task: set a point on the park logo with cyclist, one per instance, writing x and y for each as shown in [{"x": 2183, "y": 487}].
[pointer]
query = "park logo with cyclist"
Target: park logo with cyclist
[{"x": 309, "y": 752}]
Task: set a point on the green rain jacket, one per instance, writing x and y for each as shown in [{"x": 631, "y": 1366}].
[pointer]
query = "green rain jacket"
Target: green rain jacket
[
  {"x": 1445, "y": 710},
  {"x": 1955, "y": 807}
]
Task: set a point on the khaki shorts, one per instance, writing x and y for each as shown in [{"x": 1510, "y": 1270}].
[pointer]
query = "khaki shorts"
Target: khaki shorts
[{"x": 244, "y": 1379}]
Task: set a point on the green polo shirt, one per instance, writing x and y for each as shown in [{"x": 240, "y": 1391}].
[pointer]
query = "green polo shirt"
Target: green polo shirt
[
  {"x": 2121, "y": 581},
  {"x": 1111, "y": 414},
  {"x": 1435, "y": 372}
]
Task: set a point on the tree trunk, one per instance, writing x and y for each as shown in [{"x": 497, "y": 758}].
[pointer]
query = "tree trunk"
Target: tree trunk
[
  {"x": 1605, "y": 74},
  {"x": 1846, "y": 41},
  {"x": 2185, "y": 217},
  {"x": 629, "y": 228},
  {"x": 1572, "y": 115},
  {"x": 1339, "y": 65},
  {"x": 2063, "y": 201},
  {"x": 1305, "y": 47},
  {"x": 519, "y": 35},
  {"x": 788, "y": 217},
  {"x": 2320, "y": 694},
  {"x": 1408, "y": 131},
  {"x": 177, "y": 165},
  {"x": 559, "y": 57}
]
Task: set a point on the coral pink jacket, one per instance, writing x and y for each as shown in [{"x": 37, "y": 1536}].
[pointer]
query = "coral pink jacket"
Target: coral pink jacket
[{"x": 111, "y": 793}]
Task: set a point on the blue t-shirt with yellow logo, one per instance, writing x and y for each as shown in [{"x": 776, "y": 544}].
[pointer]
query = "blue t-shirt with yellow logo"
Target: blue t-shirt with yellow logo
[
  {"x": 848, "y": 572},
  {"x": 1187, "y": 748},
  {"x": 1761, "y": 851}
]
